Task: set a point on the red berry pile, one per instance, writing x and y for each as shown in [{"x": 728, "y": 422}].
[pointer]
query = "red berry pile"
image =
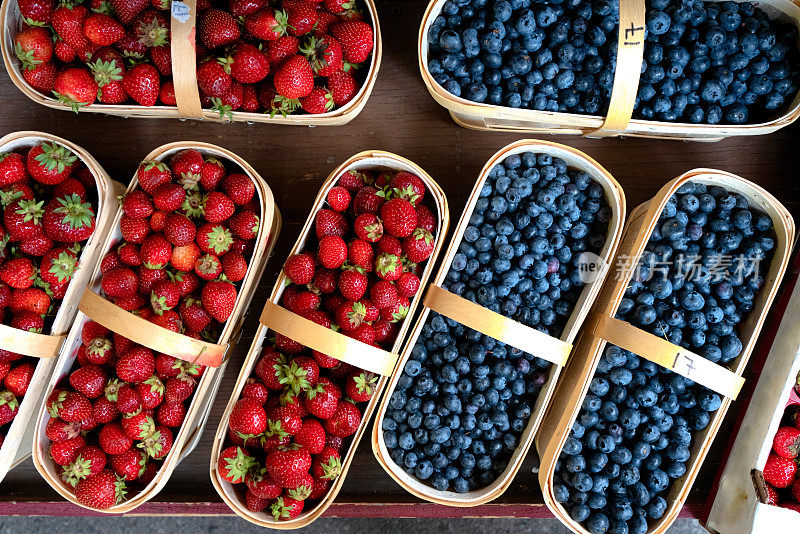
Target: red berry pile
[
  {"x": 252, "y": 56},
  {"x": 287, "y": 432},
  {"x": 188, "y": 230},
  {"x": 49, "y": 201},
  {"x": 780, "y": 471}
]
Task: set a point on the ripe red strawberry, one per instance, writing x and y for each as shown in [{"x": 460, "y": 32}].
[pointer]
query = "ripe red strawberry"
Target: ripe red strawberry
[
  {"x": 324, "y": 54},
  {"x": 138, "y": 426},
  {"x": 208, "y": 266},
  {"x": 76, "y": 87},
  {"x": 113, "y": 440},
  {"x": 262, "y": 486},
  {"x": 68, "y": 25},
  {"x": 383, "y": 294},
  {"x": 326, "y": 464},
  {"x": 361, "y": 385},
  {"x": 241, "y": 8},
  {"x": 234, "y": 464},
  {"x": 248, "y": 64},
  {"x": 248, "y": 418},
  {"x": 322, "y": 399},
  {"x": 50, "y": 163},
  {"x": 255, "y": 390},
  {"x": 368, "y": 227},
  {"x": 155, "y": 251},
  {"x": 142, "y": 83},
  {"x": 65, "y": 452},
  {"x": 70, "y": 406},
  {"x": 129, "y": 465},
  {"x": 425, "y": 219},
  {"x": 302, "y": 16},
  {"x": 254, "y": 503},
  {"x": 388, "y": 267},
  {"x": 299, "y": 268},
  {"x": 285, "y": 508},
  {"x": 213, "y": 79},
  {"x": 368, "y": 200},
  {"x": 126, "y": 10},
  {"x": 136, "y": 365},
  {"x": 169, "y": 197},
  {"x": 779, "y": 472},
  {"x": 786, "y": 442},
  {"x": 329, "y": 222},
  {"x": 58, "y": 430},
  {"x": 219, "y": 298},
  {"x": 120, "y": 282},
  {"x": 152, "y": 174},
  {"x": 320, "y": 100},
  {"x": 137, "y": 204},
  {"x": 171, "y": 414},
  {"x": 356, "y": 39},
  {"x": 311, "y": 436},
  {"x": 100, "y": 491},
  {"x": 270, "y": 369},
  {"x": 345, "y": 420},
  {"x": 217, "y": 28},
  {"x": 89, "y": 380},
  {"x": 338, "y": 198},
  {"x": 104, "y": 411},
  {"x": 294, "y": 78},
  {"x": 68, "y": 219},
  {"x": 418, "y": 246},
  {"x": 218, "y": 207},
  {"x": 130, "y": 254},
  {"x": 179, "y": 388},
  {"x": 267, "y": 24},
  {"x": 148, "y": 277},
  {"x": 332, "y": 252},
  {"x": 58, "y": 265},
  {"x": 350, "y": 315},
  {"x": 151, "y": 28},
  {"x": 214, "y": 239},
  {"x": 194, "y": 315},
  {"x": 353, "y": 284},
  {"x": 407, "y": 285},
  {"x": 234, "y": 266},
  {"x": 133, "y": 230},
  {"x": 30, "y": 300},
  {"x": 158, "y": 444},
  {"x": 33, "y": 46},
  {"x": 37, "y": 11},
  {"x": 102, "y": 29},
  {"x": 211, "y": 173},
  {"x": 343, "y": 87},
  {"x": 287, "y": 465},
  {"x": 184, "y": 258},
  {"x": 164, "y": 296},
  {"x": 151, "y": 392},
  {"x": 12, "y": 168},
  {"x": 408, "y": 187},
  {"x": 399, "y": 217}
]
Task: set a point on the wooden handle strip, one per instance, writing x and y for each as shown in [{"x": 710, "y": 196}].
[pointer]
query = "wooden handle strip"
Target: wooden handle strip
[
  {"x": 150, "y": 335},
  {"x": 497, "y": 326},
  {"x": 630, "y": 52},
  {"x": 660, "y": 351},
  {"x": 184, "y": 60},
  {"x": 326, "y": 341},
  {"x": 30, "y": 343}
]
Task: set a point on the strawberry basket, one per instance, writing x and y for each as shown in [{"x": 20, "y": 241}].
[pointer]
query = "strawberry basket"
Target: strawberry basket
[
  {"x": 15, "y": 444},
  {"x": 712, "y": 385},
  {"x": 190, "y": 365},
  {"x": 555, "y": 349},
  {"x": 180, "y": 51},
  {"x": 335, "y": 352}
]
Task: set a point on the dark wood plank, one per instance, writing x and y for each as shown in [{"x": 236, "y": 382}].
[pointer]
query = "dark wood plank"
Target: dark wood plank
[{"x": 400, "y": 117}]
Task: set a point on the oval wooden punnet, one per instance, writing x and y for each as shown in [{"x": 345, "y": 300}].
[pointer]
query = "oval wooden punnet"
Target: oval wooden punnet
[
  {"x": 198, "y": 410},
  {"x": 372, "y": 159},
  {"x": 17, "y": 444},
  {"x": 184, "y": 78},
  {"x": 480, "y": 116},
  {"x": 572, "y": 389},
  {"x": 616, "y": 201}
]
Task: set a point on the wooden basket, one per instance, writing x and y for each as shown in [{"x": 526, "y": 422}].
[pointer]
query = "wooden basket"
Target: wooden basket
[
  {"x": 182, "y": 31},
  {"x": 616, "y": 200},
  {"x": 480, "y": 116},
  {"x": 197, "y": 413},
  {"x": 373, "y": 159},
  {"x": 578, "y": 374},
  {"x": 17, "y": 445}
]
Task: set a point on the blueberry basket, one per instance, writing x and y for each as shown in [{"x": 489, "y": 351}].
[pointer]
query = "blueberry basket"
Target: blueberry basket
[
  {"x": 515, "y": 334},
  {"x": 479, "y": 114},
  {"x": 578, "y": 383}
]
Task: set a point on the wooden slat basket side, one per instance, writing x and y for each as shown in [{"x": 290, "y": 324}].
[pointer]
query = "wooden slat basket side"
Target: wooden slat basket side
[
  {"x": 616, "y": 200},
  {"x": 10, "y": 19},
  {"x": 573, "y": 387},
  {"x": 481, "y": 116},
  {"x": 197, "y": 413},
  {"x": 363, "y": 161},
  {"x": 17, "y": 444}
]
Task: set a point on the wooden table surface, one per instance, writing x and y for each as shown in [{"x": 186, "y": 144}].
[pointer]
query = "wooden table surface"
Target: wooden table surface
[{"x": 400, "y": 117}]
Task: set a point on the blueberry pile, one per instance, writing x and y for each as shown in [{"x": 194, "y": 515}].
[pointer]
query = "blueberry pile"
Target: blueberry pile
[
  {"x": 464, "y": 398},
  {"x": 708, "y": 63},
  {"x": 696, "y": 282}
]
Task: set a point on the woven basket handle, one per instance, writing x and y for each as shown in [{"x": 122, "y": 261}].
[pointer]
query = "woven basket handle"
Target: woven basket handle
[
  {"x": 184, "y": 59},
  {"x": 497, "y": 326},
  {"x": 326, "y": 341},
  {"x": 630, "y": 52},
  {"x": 660, "y": 351},
  {"x": 150, "y": 335}
]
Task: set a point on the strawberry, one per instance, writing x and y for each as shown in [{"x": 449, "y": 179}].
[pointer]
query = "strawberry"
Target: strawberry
[
  {"x": 399, "y": 217},
  {"x": 234, "y": 463},
  {"x": 779, "y": 472},
  {"x": 136, "y": 365},
  {"x": 151, "y": 28},
  {"x": 311, "y": 436},
  {"x": 350, "y": 315},
  {"x": 247, "y": 64},
  {"x": 408, "y": 187},
  {"x": 70, "y": 406},
  {"x": 18, "y": 273},
  {"x": 151, "y": 391},
  {"x": 33, "y": 46},
  {"x": 184, "y": 258},
  {"x": 388, "y": 267},
  {"x": 286, "y": 508},
  {"x": 234, "y": 266},
  {"x": 137, "y": 205},
  {"x": 102, "y": 29},
  {"x": 248, "y": 418},
  {"x": 148, "y": 277},
  {"x": 219, "y": 298},
  {"x": 261, "y": 485},
  {"x": 158, "y": 444},
  {"x": 129, "y": 465},
  {"x": 361, "y": 385},
  {"x": 217, "y": 28},
  {"x": 255, "y": 390},
  {"x": 169, "y": 197},
  {"x": 37, "y": 12},
  {"x": 338, "y": 198},
  {"x": 50, "y": 163},
  {"x": 287, "y": 465},
  {"x": 142, "y": 83},
  {"x": 58, "y": 430},
  {"x": 332, "y": 252},
  {"x": 356, "y": 39},
  {"x": 65, "y": 452},
  {"x": 171, "y": 414},
  {"x": 12, "y": 168},
  {"x": 113, "y": 440},
  {"x": 267, "y": 24},
  {"x": 353, "y": 284},
  {"x": 364, "y": 333},
  {"x": 241, "y": 8},
  {"x": 302, "y": 16},
  {"x": 212, "y": 172},
  {"x": 120, "y": 282},
  {"x": 213, "y": 79},
  {"x": 294, "y": 78},
  {"x": 786, "y": 442},
  {"x": 194, "y": 315},
  {"x": 164, "y": 296},
  {"x": 299, "y": 268},
  {"x": 368, "y": 200},
  {"x": 343, "y": 87},
  {"x": 100, "y": 491},
  {"x": 179, "y": 388},
  {"x": 329, "y": 222},
  {"x": 214, "y": 239},
  {"x": 30, "y": 300},
  {"x": 345, "y": 420},
  {"x": 152, "y": 174},
  {"x": 270, "y": 369},
  {"x": 218, "y": 207},
  {"x": 138, "y": 426},
  {"x": 239, "y": 188},
  {"x": 425, "y": 219},
  {"x": 418, "y": 246},
  {"x": 320, "y": 100},
  {"x": 68, "y": 219},
  {"x": 155, "y": 251},
  {"x": 324, "y": 54},
  {"x": 76, "y": 87},
  {"x": 326, "y": 464},
  {"x": 126, "y": 10},
  {"x": 89, "y": 461},
  {"x": 133, "y": 230},
  {"x": 89, "y": 380},
  {"x": 383, "y": 294},
  {"x": 67, "y": 22},
  {"x": 321, "y": 400},
  {"x": 407, "y": 285},
  {"x": 208, "y": 266},
  {"x": 254, "y": 503}
]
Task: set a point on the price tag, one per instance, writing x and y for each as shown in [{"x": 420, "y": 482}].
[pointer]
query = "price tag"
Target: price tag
[{"x": 180, "y": 11}]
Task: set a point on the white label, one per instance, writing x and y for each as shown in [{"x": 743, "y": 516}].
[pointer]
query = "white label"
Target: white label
[
  {"x": 590, "y": 266},
  {"x": 180, "y": 11},
  {"x": 684, "y": 364}
]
